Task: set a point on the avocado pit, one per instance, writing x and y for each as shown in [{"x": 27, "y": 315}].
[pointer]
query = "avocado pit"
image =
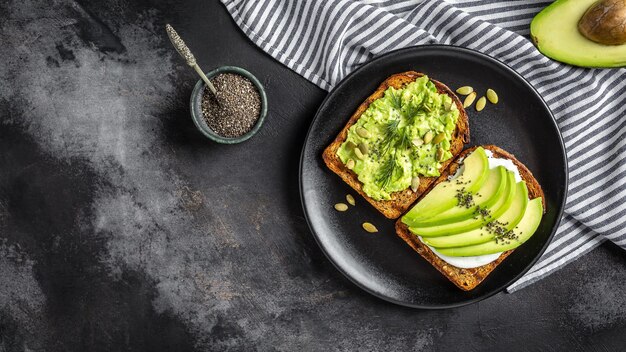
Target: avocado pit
[{"x": 605, "y": 22}]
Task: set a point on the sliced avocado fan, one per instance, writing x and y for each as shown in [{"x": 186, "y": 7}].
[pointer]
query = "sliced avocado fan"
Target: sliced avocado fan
[
  {"x": 474, "y": 173},
  {"x": 506, "y": 222},
  {"x": 493, "y": 212},
  {"x": 488, "y": 195},
  {"x": 523, "y": 231}
]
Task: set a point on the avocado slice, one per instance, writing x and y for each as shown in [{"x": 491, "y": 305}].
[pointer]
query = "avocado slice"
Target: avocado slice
[
  {"x": 499, "y": 207},
  {"x": 555, "y": 33},
  {"x": 486, "y": 197},
  {"x": 523, "y": 231},
  {"x": 508, "y": 220},
  {"x": 474, "y": 173}
]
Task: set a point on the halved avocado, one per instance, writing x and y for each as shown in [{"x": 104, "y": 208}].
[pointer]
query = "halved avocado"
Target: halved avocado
[
  {"x": 486, "y": 197},
  {"x": 555, "y": 33},
  {"x": 509, "y": 219},
  {"x": 499, "y": 207},
  {"x": 524, "y": 230},
  {"x": 443, "y": 196}
]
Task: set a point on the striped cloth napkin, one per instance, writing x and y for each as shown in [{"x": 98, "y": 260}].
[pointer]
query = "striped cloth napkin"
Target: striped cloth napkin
[{"x": 324, "y": 40}]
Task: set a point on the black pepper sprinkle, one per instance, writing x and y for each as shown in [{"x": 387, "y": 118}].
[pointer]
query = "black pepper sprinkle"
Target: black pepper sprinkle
[{"x": 235, "y": 108}]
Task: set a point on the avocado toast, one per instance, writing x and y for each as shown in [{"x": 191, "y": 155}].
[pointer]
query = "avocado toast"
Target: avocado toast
[
  {"x": 469, "y": 239},
  {"x": 464, "y": 217},
  {"x": 393, "y": 204}
]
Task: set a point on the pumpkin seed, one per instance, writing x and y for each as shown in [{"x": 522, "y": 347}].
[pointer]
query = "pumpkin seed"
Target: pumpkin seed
[
  {"x": 363, "y": 148},
  {"x": 439, "y": 138},
  {"x": 361, "y": 131},
  {"x": 350, "y": 145},
  {"x": 350, "y": 164},
  {"x": 369, "y": 227},
  {"x": 350, "y": 199},
  {"x": 469, "y": 100},
  {"x": 492, "y": 96},
  {"x": 440, "y": 153},
  {"x": 341, "y": 207},
  {"x": 415, "y": 183},
  {"x": 428, "y": 137},
  {"x": 417, "y": 142},
  {"x": 447, "y": 105},
  {"x": 358, "y": 153},
  {"x": 480, "y": 104},
  {"x": 465, "y": 90}
]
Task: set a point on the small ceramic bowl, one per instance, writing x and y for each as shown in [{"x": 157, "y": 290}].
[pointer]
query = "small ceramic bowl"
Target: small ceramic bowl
[{"x": 198, "y": 116}]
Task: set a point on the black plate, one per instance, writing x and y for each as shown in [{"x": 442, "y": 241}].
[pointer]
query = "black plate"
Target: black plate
[{"x": 382, "y": 263}]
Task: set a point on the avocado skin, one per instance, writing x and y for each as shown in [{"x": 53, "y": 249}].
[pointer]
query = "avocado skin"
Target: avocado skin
[{"x": 555, "y": 33}]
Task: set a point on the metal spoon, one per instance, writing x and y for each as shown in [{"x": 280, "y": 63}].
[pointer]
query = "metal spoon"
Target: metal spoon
[{"x": 184, "y": 51}]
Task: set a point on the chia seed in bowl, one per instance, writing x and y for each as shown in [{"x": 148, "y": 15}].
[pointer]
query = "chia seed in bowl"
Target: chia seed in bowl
[
  {"x": 236, "y": 107},
  {"x": 237, "y": 110}
]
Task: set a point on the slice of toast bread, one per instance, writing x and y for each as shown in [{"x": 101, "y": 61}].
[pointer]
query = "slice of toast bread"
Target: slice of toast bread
[
  {"x": 468, "y": 279},
  {"x": 400, "y": 201}
]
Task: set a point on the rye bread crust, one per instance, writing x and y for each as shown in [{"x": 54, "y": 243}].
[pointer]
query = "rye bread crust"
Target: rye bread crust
[
  {"x": 468, "y": 279},
  {"x": 400, "y": 201}
]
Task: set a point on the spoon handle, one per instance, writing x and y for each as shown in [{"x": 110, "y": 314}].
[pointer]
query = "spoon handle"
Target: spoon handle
[
  {"x": 186, "y": 54},
  {"x": 205, "y": 79}
]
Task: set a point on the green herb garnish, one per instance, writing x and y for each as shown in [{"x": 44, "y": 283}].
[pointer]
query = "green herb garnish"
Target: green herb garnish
[
  {"x": 386, "y": 172},
  {"x": 403, "y": 139},
  {"x": 410, "y": 113},
  {"x": 396, "y": 99},
  {"x": 389, "y": 135},
  {"x": 400, "y": 137}
]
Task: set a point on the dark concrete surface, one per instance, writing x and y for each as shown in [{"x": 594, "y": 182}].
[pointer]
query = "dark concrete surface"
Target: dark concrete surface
[{"x": 123, "y": 229}]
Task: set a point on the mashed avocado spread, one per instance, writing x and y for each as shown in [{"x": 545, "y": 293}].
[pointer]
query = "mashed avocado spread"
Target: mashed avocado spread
[{"x": 404, "y": 134}]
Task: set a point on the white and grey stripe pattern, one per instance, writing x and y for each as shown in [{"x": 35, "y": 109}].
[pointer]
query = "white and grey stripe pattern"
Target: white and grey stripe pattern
[{"x": 325, "y": 40}]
